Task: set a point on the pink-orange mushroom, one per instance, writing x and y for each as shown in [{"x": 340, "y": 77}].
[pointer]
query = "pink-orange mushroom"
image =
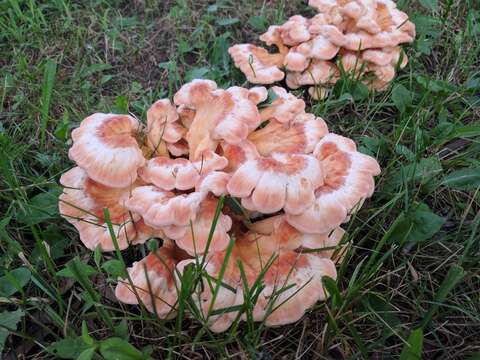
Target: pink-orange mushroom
[
  {"x": 180, "y": 173},
  {"x": 348, "y": 182},
  {"x": 344, "y": 31},
  {"x": 152, "y": 283},
  {"x": 288, "y": 184},
  {"x": 270, "y": 184},
  {"x": 82, "y": 203},
  {"x": 257, "y": 64},
  {"x": 105, "y": 147}
]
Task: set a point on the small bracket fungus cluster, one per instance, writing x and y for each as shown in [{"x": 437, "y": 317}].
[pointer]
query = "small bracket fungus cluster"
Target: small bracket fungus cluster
[
  {"x": 360, "y": 37},
  {"x": 295, "y": 181}
]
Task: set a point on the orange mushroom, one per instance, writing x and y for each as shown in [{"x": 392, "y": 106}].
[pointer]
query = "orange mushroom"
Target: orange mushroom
[
  {"x": 105, "y": 147},
  {"x": 152, "y": 283},
  {"x": 352, "y": 31},
  {"x": 228, "y": 115},
  {"x": 82, "y": 203},
  {"x": 163, "y": 127},
  {"x": 348, "y": 181},
  {"x": 269, "y": 184},
  {"x": 180, "y": 173}
]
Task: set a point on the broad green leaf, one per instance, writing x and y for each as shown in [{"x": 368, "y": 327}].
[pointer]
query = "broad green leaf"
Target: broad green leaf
[
  {"x": 466, "y": 179},
  {"x": 119, "y": 349},
  {"x": 401, "y": 97},
  {"x": 258, "y": 22},
  {"x": 114, "y": 268},
  {"x": 467, "y": 131},
  {"x": 418, "y": 225},
  {"x": 8, "y": 321},
  {"x": 94, "y": 68},
  {"x": 87, "y": 339},
  {"x": 196, "y": 73},
  {"x": 419, "y": 172},
  {"x": 412, "y": 350},
  {"x": 121, "y": 329},
  {"x": 14, "y": 281},
  {"x": 86, "y": 354},
  {"x": 227, "y": 21},
  {"x": 219, "y": 56},
  {"x": 121, "y": 104},
  {"x": 41, "y": 207},
  {"x": 429, "y": 4},
  {"x": 86, "y": 269},
  {"x": 61, "y": 131},
  {"x": 69, "y": 348},
  {"x": 423, "y": 171}
]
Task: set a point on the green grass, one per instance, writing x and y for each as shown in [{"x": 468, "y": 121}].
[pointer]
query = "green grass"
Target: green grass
[{"x": 411, "y": 282}]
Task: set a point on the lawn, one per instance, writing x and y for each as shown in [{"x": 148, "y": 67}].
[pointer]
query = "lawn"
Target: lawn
[{"x": 410, "y": 284}]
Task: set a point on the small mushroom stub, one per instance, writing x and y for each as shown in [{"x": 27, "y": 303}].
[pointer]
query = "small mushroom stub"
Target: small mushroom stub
[
  {"x": 255, "y": 189},
  {"x": 367, "y": 33}
]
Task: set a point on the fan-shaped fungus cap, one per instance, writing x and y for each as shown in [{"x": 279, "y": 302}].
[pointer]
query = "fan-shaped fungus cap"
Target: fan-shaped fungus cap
[
  {"x": 180, "y": 173},
  {"x": 163, "y": 127},
  {"x": 325, "y": 6},
  {"x": 82, "y": 202},
  {"x": 95, "y": 232},
  {"x": 194, "y": 240},
  {"x": 269, "y": 184},
  {"x": 105, "y": 146},
  {"x": 178, "y": 215},
  {"x": 319, "y": 48},
  {"x": 295, "y": 30},
  {"x": 160, "y": 208},
  {"x": 319, "y": 72},
  {"x": 214, "y": 182},
  {"x": 258, "y": 65},
  {"x": 299, "y": 136},
  {"x": 348, "y": 181},
  {"x": 276, "y": 234},
  {"x": 295, "y": 60},
  {"x": 273, "y": 36},
  {"x": 238, "y": 154},
  {"x": 153, "y": 283},
  {"x": 284, "y": 108},
  {"x": 228, "y": 115}
]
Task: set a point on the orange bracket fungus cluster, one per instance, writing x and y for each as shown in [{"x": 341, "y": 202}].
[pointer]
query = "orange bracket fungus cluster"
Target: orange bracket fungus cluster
[
  {"x": 296, "y": 183},
  {"x": 359, "y": 37}
]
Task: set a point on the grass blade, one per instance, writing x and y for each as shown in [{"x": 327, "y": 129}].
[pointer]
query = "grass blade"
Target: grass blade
[{"x": 49, "y": 73}]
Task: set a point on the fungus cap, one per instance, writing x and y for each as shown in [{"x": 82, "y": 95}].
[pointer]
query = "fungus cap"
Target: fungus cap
[
  {"x": 163, "y": 126},
  {"x": 180, "y": 173},
  {"x": 281, "y": 181},
  {"x": 284, "y": 108},
  {"x": 228, "y": 115},
  {"x": 105, "y": 147},
  {"x": 258, "y": 65},
  {"x": 300, "y": 136},
  {"x": 348, "y": 181},
  {"x": 153, "y": 283}
]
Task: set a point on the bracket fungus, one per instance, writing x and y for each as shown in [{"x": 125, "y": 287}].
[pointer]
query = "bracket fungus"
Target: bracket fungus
[
  {"x": 296, "y": 183},
  {"x": 360, "y": 38}
]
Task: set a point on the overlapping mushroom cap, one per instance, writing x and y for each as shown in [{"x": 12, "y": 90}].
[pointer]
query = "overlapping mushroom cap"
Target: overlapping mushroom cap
[
  {"x": 361, "y": 37},
  {"x": 289, "y": 184}
]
